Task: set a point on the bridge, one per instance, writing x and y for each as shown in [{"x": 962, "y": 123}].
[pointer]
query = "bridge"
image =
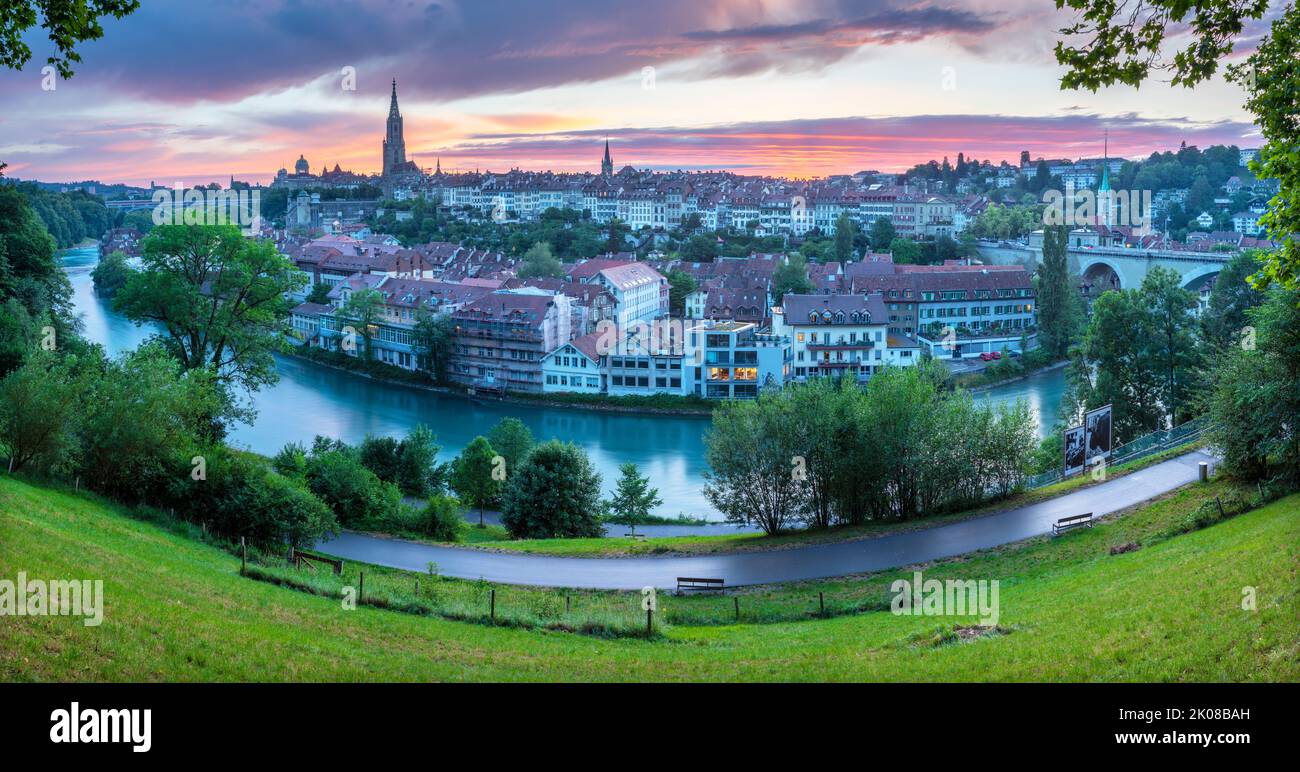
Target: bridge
[{"x": 1114, "y": 267}]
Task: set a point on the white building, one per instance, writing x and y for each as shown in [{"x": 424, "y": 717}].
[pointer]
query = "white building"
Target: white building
[
  {"x": 835, "y": 334},
  {"x": 576, "y": 366}
]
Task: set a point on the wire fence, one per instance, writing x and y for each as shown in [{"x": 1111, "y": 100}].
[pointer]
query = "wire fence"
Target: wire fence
[{"x": 1146, "y": 445}]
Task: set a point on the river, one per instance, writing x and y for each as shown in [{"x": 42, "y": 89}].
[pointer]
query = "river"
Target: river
[{"x": 311, "y": 399}]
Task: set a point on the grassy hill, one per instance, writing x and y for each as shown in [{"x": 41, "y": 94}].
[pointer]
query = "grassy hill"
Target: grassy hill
[{"x": 177, "y": 609}]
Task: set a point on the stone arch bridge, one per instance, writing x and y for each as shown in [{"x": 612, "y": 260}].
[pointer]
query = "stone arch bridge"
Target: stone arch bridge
[{"x": 1116, "y": 267}]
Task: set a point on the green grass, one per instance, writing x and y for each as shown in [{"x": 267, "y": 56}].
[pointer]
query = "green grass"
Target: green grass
[
  {"x": 740, "y": 542},
  {"x": 177, "y": 609}
]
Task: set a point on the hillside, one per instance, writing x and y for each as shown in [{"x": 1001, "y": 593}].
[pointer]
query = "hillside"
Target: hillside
[{"x": 177, "y": 609}]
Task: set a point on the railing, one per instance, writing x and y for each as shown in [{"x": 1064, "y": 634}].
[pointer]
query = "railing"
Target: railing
[{"x": 1146, "y": 445}]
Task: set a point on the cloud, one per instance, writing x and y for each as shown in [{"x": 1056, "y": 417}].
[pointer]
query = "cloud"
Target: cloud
[{"x": 843, "y": 145}]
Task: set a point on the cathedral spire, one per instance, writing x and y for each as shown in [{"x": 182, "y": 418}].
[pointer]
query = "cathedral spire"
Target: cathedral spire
[
  {"x": 392, "y": 105},
  {"x": 607, "y": 163}
]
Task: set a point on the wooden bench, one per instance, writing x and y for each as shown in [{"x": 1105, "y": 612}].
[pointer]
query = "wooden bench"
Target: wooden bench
[
  {"x": 693, "y": 584},
  {"x": 637, "y": 536},
  {"x": 1072, "y": 522}
]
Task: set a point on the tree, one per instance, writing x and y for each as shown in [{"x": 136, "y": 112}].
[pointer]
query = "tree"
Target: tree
[
  {"x": 751, "y": 477},
  {"x": 442, "y": 518},
  {"x": 1254, "y": 400},
  {"x": 1104, "y": 47},
  {"x": 845, "y": 230},
  {"x": 319, "y": 294},
  {"x": 700, "y": 248},
  {"x": 883, "y": 234},
  {"x": 555, "y": 494},
  {"x": 144, "y": 419},
  {"x": 110, "y": 274},
  {"x": 432, "y": 342},
  {"x": 380, "y": 455},
  {"x": 633, "y": 497},
  {"x": 362, "y": 311},
  {"x": 1172, "y": 346},
  {"x": 539, "y": 262},
  {"x": 1116, "y": 346},
  {"x": 356, "y": 495},
  {"x": 904, "y": 251},
  {"x": 219, "y": 298},
  {"x": 472, "y": 476},
  {"x": 1224, "y": 321},
  {"x": 1059, "y": 311},
  {"x": 39, "y": 412},
  {"x": 680, "y": 285},
  {"x": 29, "y": 270},
  {"x": 418, "y": 471},
  {"x": 511, "y": 439},
  {"x": 618, "y": 233},
  {"x": 791, "y": 277},
  {"x": 68, "y": 23}
]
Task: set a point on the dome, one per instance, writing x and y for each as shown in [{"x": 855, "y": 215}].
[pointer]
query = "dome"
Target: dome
[{"x": 301, "y": 166}]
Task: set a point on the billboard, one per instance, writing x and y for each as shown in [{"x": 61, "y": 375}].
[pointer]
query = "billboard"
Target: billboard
[
  {"x": 1097, "y": 424},
  {"x": 1074, "y": 447}
]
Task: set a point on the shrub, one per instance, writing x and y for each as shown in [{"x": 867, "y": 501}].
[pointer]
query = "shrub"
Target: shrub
[
  {"x": 554, "y": 493},
  {"x": 442, "y": 518}
]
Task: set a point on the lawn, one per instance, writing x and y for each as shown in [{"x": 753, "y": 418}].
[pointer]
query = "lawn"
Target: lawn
[{"x": 178, "y": 609}]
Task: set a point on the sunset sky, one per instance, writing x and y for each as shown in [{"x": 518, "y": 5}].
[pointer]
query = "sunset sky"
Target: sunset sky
[{"x": 194, "y": 92}]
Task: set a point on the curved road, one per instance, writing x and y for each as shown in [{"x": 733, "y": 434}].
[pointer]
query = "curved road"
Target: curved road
[{"x": 811, "y": 562}]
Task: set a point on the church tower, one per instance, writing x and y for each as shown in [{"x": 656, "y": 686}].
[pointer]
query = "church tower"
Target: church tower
[
  {"x": 394, "y": 143},
  {"x": 1105, "y": 197},
  {"x": 607, "y": 163}
]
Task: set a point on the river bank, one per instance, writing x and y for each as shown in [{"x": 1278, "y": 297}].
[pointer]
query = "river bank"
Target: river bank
[{"x": 514, "y": 397}]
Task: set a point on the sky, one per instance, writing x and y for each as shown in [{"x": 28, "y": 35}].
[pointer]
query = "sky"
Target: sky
[{"x": 197, "y": 92}]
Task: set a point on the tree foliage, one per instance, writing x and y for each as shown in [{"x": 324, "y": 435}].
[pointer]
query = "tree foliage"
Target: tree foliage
[
  {"x": 555, "y": 494},
  {"x": 829, "y": 453},
  {"x": 219, "y": 298},
  {"x": 67, "y": 22}
]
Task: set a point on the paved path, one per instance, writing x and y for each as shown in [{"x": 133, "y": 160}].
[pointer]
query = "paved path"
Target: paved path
[{"x": 811, "y": 562}]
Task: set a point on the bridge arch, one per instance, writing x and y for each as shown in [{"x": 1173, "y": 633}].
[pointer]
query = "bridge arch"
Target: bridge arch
[
  {"x": 1196, "y": 276},
  {"x": 1099, "y": 275}
]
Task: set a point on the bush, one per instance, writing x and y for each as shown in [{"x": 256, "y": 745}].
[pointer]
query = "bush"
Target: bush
[
  {"x": 442, "y": 519},
  {"x": 354, "y": 493},
  {"x": 554, "y": 493}
]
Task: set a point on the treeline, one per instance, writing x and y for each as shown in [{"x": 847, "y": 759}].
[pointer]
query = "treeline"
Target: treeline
[
  {"x": 70, "y": 217},
  {"x": 828, "y": 453},
  {"x": 34, "y": 292}
]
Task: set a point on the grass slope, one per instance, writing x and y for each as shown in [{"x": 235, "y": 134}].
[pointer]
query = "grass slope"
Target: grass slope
[{"x": 177, "y": 609}]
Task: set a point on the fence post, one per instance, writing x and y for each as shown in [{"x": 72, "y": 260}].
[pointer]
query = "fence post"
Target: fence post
[
  {"x": 493, "y": 601},
  {"x": 417, "y": 586},
  {"x": 649, "y": 621},
  {"x": 566, "y": 604},
  {"x": 243, "y": 557},
  {"x": 361, "y": 591},
  {"x": 821, "y": 603},
  {"x": 737, "y": 601},
  {"x": 1219, "y": 501}
]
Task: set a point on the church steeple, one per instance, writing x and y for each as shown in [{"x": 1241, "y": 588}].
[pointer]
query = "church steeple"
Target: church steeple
[
  {"x": 394, "y": 141},
  {"x": 607, "y": 163}
]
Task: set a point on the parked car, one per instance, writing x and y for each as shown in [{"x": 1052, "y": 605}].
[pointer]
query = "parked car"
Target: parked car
[
  {"x": 997, "y": 354},
  {"x": 986, "y": 356}
]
